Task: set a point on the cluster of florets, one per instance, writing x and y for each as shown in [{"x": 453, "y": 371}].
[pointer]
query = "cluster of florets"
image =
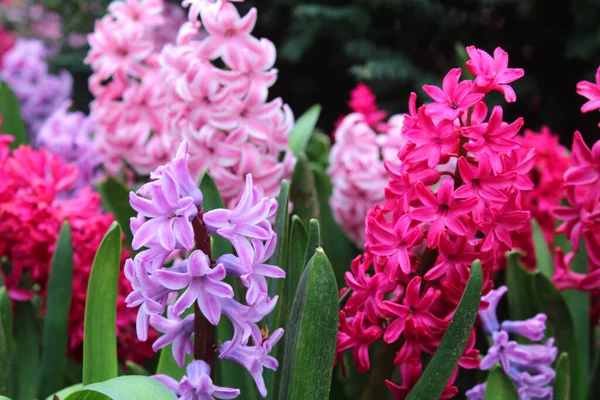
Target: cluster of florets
[
  {"x": 209, "y": 87},
  {"x": 25, "y": 69},
  {"x": 356, "y": 162},
  {"x": 175, "y": 231},
  {"x": 217, "y": 93},
  {"x": 528, "y": 365},
  {"x": 69, "y": 136},
  {"x": 33, "y": 206},
  {"x": 421, "y": 242}
]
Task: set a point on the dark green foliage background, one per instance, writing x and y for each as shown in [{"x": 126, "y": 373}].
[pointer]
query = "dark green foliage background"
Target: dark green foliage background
[{"x": 326, "y": 46}]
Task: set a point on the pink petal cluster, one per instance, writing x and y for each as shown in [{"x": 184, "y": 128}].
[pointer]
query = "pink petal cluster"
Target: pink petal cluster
[
  {"x": 363, "y": 144},
  {"x": 591, "y": 91},
  {"x": 421, "y": 242},
  {"x": 129, "y": 100},
  {"x": 217, "y": 92},
  {"x": 551, "y": 162},
  {"x": 581, "y": 217},
  {"x": 32, "y": 210}
]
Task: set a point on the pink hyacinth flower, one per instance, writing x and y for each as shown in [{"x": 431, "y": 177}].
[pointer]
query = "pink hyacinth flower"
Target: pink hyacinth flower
[
  {"x": 590, "y": 91},
  {"x": 453, "y": 98},
  {"x": 493, "y": 73}
]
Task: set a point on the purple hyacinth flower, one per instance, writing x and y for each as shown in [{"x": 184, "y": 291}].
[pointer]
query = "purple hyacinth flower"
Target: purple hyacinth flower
[
  {"x": 245, "y": 319},
  {"x": 255, "y": 358},
  {"x": 532, "y": 328},
  {"x": 505, "y": 352},
  {"x": 203, "y": 284},
  {"x": 171, "y": 203},
  {"x": 249, "y": 219},
  {"x": 254, "y": 278},
  {"x": 534, "y": 386},
  {"x": 488, "y": 316},
  {"x": 147, "y": 293},
  {"x": 197, "y": 384},
  {"x": 541, "y": 353},
  {"x": 177, "y": 332},
  {"x": 477, "y": 392}
]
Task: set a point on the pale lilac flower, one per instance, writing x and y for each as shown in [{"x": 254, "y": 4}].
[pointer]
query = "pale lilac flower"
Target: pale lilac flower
[
  {"x": 203, "y": 285},
  {"x": 534, "y": 386},
  {"x": 177, "y": 332},
  {"x": 197, "y": 384},
  {"x": 488, "y": 316},
  {"x": 504, "y": 351},
  {"x": 255, "y": 358},
  {"x": 254, "y": 274},
  {"x": 532, "y": 329},
  {"x": 477, "y": 392}
]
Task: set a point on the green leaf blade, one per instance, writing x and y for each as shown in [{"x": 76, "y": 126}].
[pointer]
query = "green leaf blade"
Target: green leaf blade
[
  {"x": 124, "y": 388},
  {"x": 314, "y": 239},
  {"x": 27, "y": 363},
  {"x": 444, "y": 361},
  {"x": 303, "y": 192},
  {"x": 562, "y": 381},
  {"x": 12, "y": 123},
  {"x": 55, "y": 333},
  {"x": 544, "y": 260},
  {"x": 115, "y": 199},
  {"x": 499, "y": 386},
  {"x": 303, "y": 129},
  {"x": 311, "y": 338},
  {"x": 100, "y": 340},
  {"x": 298, "y": 241},
  {"x": 521, "y": 299}
]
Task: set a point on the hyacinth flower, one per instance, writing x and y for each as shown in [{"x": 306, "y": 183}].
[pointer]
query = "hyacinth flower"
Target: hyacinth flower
[
  {"x": 529, "y": 366},
  {"x": 364, "y": 142},
  {"x": 453, "y": 195},
  {"x": 189, "y": 297},
  {"x": 214, "y": 80}
]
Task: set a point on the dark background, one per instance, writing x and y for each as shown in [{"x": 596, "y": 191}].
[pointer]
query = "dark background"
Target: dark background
[{"x": 327, "y": 46}]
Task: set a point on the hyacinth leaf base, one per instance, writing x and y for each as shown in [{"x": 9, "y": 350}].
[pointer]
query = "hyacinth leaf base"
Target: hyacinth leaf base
[{"x": 499, "y": 386}]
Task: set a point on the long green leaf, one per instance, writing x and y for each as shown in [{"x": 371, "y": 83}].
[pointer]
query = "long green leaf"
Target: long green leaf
[
  {"x": 168, "y": 366},
  {"x": 314, "y": 240},
  {"x": 99, "y": 332},
  {"x": 5, "y": 359},
  {"x": 543, "y": 257},
  {"x": 303, "y": 129},
  {"x": 115, "y": 199},
  {"x": 298, "y": 240},
  {"x": 499, "y": 386},
  {"x": 27, "y": 362},
  {"x": 6, "y": 316},
  {"x": 63, "y": 393},
  {"x": 444, "y": 361},
  {"x": 12, "y": 123},
  {"x": 521, "y": 299},
  {"x": 60, "y": 284},
  {"x": 303, "y": 192},
  {"x": 336, "y": 244},
  {"x": 312, "y": 334},
  {"x": 124, "y": 388},
  {"x": 562, "y": 381},
  {"x": 279, "y": 258},
  {"x": 560, "y": 327}
]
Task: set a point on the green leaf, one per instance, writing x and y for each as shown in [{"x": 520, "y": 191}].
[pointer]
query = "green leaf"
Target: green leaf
[
  {"x": 560, "y": 326},
  {"x": 6, "y": 316},
  {"x": 115, "y": 199},
  {"x": 335, "y": 242},
  {"x": 312, "y": 334},
  {"x": 444, "y": 361},
  {"x": 5, "y": 355},
  {"x": 521, "y": 299},
  {"x": 60, "y": 284},
  {"x": 303, "y": 192},
  {"x": 124, "y": 388},
  {"x": 314, "y": 240},
  {"x": 303, "y": 129},
  {"x": 279, "y": 258},
  {"x": 135, "y": 369},
  {"x": 562, "y": 381},
  {"x": 63, "y": 393},
  {"x": 298, "y": 241},
  {"x": 12, "y": 124},
  {"x": 499, "y": 386},
  {"x": 27, "y": 363},
  {"x": 544, "y": 260},
  {"x": 318, "y": 148},
  {"x": 99, "y": 332}
]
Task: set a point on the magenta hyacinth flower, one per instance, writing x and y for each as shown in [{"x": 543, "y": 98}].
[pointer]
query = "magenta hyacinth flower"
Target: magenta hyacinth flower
[
  {"x": 453, "y": 98},
  {"x": 203, "y": 285}
]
